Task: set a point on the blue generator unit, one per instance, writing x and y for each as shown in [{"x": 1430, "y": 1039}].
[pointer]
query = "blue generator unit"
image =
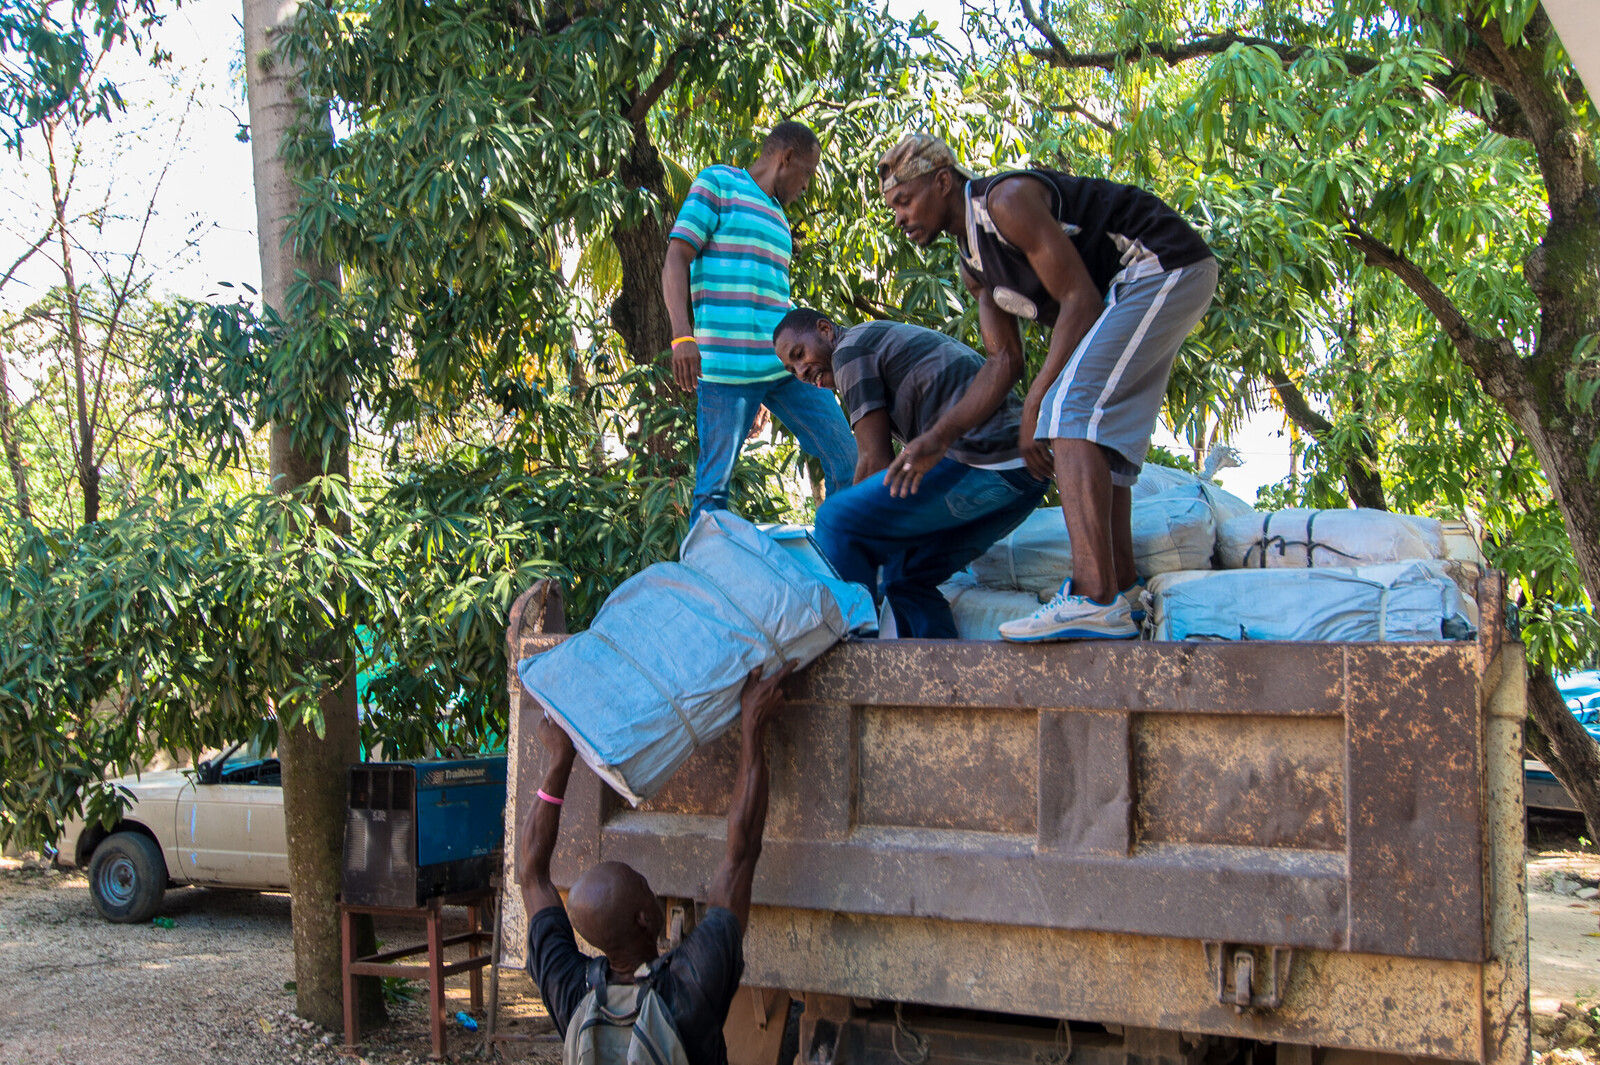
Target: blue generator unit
[{"x": 418, "y": 830}]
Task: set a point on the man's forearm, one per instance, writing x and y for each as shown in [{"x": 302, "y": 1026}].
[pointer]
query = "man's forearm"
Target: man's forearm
[
  {"x": 547, "y": 817},
  {"x": 869, "y": 463},
  {"x": 747, "y": 816},
  {"x": 675, "y": 293}
]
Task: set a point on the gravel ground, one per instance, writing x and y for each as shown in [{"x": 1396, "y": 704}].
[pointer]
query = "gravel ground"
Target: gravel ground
[{"x": 211, "y": 990}]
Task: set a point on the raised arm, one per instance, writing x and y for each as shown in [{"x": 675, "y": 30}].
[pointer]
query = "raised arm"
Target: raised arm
[
  {"x": 542, "y": 824},
  {"x": 759, "y": 702},
  {"x": 1000, "y": 372},
  {"x": 675, "y": 292}
]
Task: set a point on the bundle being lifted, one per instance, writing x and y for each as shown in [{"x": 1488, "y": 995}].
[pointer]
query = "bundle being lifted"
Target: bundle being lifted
[{"x": 659, "y": 671}]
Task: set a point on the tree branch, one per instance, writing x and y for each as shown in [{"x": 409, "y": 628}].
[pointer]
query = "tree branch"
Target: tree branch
[
  {"x": 1058, "y": 55},
  {"x": 24, "y": 257},
  {"x": 1508, "y": 118},
  {"x": 663, "y": 81},
  {"x": 1492, "y": 359},
  {"x": 1360, "y": 479},
  {"x": 1071, "y": 108}
]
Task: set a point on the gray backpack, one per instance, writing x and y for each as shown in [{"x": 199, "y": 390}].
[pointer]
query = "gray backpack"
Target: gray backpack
[{"x": 622, "y": 1024}]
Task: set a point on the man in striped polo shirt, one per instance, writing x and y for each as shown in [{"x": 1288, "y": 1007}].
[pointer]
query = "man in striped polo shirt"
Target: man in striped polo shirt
[{"x": 726, "y": 285}]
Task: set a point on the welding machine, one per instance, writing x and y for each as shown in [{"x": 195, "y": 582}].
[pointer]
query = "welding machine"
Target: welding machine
[{"x": 417, "y": 830}]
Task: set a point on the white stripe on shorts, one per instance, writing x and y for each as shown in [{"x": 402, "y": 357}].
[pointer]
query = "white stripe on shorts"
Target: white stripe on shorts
[
  {"x": 1063, "y": 383},
  {"x": 1127, "y": 352}
]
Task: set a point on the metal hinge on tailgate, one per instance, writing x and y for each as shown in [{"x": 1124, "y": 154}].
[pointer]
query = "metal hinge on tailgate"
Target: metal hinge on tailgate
[{"x": 1235, "y": 968}]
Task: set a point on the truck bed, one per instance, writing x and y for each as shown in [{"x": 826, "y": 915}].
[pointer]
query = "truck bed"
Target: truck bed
[{"x": 1311, "y": 845}]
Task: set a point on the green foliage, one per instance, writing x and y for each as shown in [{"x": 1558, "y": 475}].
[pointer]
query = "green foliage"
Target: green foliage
[
  {"x": 50, "y": 58},
  {"x": 184, "y": 622},
  {"x": 1322, "y": 140}
]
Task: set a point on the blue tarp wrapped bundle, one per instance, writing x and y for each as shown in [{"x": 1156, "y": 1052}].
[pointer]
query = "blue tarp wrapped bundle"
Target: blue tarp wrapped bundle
[
  {"x": 659, "y": 671},
  {"x": 1392, "y": 602}
]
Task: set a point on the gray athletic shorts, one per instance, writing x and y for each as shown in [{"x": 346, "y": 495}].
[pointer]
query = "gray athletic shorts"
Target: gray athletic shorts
[{"x": 1112, "y": 388}]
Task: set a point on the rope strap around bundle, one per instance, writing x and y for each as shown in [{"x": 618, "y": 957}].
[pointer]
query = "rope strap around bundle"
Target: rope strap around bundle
[
  {"x": 694, "y": 737},
  {"x": 1283, "y": 543}
]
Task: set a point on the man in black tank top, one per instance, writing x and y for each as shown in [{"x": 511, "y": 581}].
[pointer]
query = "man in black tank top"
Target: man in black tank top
[{"x": 1120, "y": 278}]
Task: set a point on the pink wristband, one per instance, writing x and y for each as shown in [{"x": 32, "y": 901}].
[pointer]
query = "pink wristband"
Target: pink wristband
[{"x": 551, "y": 798}]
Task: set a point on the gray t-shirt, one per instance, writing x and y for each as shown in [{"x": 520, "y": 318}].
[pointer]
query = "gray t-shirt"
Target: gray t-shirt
[{"x": 916, "y": 375}]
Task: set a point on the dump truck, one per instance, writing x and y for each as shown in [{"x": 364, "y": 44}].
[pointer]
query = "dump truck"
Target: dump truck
[{"x": 1104, "y": 852}]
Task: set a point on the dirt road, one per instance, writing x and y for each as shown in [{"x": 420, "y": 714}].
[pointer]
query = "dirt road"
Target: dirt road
[{"x": 212, "y": 989}]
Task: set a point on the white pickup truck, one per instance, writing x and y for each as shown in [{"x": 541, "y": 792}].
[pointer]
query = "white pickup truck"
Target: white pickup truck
[{"x": 219, "y": 824}]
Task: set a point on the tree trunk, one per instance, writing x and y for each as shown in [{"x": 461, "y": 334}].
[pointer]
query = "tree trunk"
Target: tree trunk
[
  {"x": 85, "y": 459},
  {"x": 1564, "y": 273},
  {"x": 639, "y": 314},
  {"x": 1564, "y": 742},
  {"x": 313, "y": 766}
]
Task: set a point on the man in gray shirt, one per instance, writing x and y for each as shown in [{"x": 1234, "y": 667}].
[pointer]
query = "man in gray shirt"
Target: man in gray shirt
[{"x": 894, "y": 381}]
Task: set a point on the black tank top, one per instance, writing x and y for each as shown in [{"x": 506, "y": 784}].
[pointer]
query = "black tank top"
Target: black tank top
[{"x": 1122, "y": 233}]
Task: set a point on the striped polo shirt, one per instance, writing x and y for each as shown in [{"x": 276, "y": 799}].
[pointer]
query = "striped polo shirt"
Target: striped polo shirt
[
  {"x": 739, "y": 280},
  {"x": 916, "y": 375}
]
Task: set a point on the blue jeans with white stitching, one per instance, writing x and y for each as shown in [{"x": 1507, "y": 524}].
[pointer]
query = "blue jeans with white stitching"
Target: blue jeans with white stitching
[
  {"x": 724, "y": 414},
  {"x": 921, "y": 541}
]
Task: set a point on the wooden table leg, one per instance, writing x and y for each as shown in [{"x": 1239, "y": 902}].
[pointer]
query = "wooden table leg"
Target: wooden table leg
[
  {"x": 475, "y": 924},
  {"x": 347, "y": 945},
  {"x": 436, "y": 978}
]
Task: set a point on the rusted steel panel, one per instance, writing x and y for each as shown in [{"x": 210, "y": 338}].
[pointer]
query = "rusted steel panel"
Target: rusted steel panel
[
  {"x": 948, "y": 768},
  {"x": 1415, "y": 802},
  {"x": 1334, "y": 999},
  {"x": 1240, "y": 811},
  {"x": 919, "y": 777},
  {"x": 1248, "y": 781},
  {"x": 1085, "y": 783},
  {"x": 1228, "y": 893},
  {"x": 1100, "y": 810},
  {"x": 1266, "y": 678}
]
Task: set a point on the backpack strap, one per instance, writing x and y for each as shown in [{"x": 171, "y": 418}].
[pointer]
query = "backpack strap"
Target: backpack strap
[{"x": 597, "y": 977}]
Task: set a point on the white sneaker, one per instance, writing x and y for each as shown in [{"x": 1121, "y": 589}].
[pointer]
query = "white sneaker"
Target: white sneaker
[
  {"x": 1134, "y": 595},
  {"x": 1073, "y": 617}
]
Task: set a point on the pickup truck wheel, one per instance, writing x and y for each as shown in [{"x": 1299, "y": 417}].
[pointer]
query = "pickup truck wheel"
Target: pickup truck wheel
[{"x": 127, "y": 878}]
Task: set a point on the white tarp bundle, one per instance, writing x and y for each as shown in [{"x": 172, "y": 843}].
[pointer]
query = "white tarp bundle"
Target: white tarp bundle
[
  {"x": 1291, "y": 539},
  {"x": 1397, "y": 601},
  {"x": 1163, "y": 480},
  {"x": 659, "y": 671},
  {"x": 1170, "y": 532},
  {"x": 980, "y": 611}
]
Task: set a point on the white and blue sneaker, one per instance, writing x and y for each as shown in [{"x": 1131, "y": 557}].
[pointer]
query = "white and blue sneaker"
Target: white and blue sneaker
[
  {"x": 1073, "y": 617},
  {"x": 1134, "y": 595}
]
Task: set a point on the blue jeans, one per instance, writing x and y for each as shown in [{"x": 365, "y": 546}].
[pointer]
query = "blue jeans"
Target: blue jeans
[
  {"x": 724, "y": 414},
  {"x": 920, "y": 541}
]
